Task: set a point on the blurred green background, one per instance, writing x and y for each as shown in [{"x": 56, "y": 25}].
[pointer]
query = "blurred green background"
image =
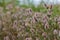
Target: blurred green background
[{"x": 30, "y": 4}]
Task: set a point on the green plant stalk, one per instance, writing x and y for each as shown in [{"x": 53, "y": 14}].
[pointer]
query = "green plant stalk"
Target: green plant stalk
[{"x": 4, "y": 4}]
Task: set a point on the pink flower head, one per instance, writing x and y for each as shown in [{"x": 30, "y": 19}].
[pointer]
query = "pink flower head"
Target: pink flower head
[
  {"x": 55, "y": 31},
  {"x": 15, "y": 24},
  {"x": 44, "y": 34},
  {"x": 6, "y": 38},
  {"x": 29, "y": 10},
  {"x": 17, "y": 8},
  {"x": 29, "y": 38},
  {"x": 9, "y": 6},
  {"x": 46, "y": 26},
  {"x": 8, "y": 13}
]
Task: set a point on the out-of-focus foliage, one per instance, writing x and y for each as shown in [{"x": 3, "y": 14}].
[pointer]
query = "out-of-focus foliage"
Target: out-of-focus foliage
[
  {"x": 38, "y": 8},
  {"x": 5, "y": 2}
]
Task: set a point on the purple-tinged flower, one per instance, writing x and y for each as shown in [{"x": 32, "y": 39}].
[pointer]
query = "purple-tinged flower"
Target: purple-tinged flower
[
  {"x": 18, "y": 35},
  {"x": 29, "y": 38},
  {"x": 44, "y": 21},
  {"x": 8, "y": 12},
  {"x": 33, "y": 20},
  {"x": 46, "y": 26},
  {"x": 13, "y": 37},
  {"x": 37, "y": 14},
  {"x": 9, "y": 6},
  {"x": 49, "y": 13},
  {"x": 45, "y": 17},
  {"x": 37, "y": 38},
  {"x": 55, "y": 31},
  {"x": 15, "y": 24},
  {"x": 44, "y": 34},
  {"x": 14, "y": 16},
  {"x": 27, "y": 24},
  {"x": 58, "y": 20},
  {"x": 29, "y": 10},
  {"x": 6, "y": 38},
  {"x": 17, "y": 9},
  {"x": 32, "y": 30},
  {"x": 22, "y": 10},
  {"x": 4, "y": 29}
]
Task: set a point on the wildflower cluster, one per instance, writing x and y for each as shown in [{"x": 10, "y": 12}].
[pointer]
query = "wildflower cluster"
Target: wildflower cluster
[{"x": 25, "y": 24}]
